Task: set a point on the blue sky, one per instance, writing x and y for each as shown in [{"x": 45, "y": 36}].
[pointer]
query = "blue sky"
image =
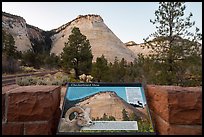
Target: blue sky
[
  {"x": 129, "y": 21},
  {"x": 81, "y": 92}
]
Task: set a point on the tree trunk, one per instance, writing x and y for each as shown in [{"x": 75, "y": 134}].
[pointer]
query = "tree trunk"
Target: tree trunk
[
  {"x": 76, "y": 73},
  {"x": 170, "y": 70}
]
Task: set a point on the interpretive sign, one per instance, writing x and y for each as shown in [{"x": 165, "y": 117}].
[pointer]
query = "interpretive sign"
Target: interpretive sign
[{"x": 98, "y": 108}]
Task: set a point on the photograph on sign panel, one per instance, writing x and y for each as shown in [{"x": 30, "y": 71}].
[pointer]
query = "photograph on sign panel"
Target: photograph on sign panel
[{"x": 109, "y": 109}]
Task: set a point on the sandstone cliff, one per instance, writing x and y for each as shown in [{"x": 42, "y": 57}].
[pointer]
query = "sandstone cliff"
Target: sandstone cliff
[
  {"x": 26, "y": 36},
  {"x": 101, "y": 38},
  {"x": 16, "y": 26},
  {"x": 137, "y": 48},
  {"x": 40, "y": 39},
  {"x": 141, "y": 48}
]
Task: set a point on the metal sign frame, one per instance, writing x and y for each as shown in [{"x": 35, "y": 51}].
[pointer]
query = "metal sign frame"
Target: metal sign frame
[{"x": 135, "y": 118}]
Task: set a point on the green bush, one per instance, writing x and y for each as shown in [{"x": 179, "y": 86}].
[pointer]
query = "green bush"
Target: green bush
[
  {"x": 58, "y": 79},
  {"x": 56, "y": 82},
  {"x": 65, "y": 79},
  {"x": 32, "y": 80},
  {"x": 73, "y": 80},
  {"x": 22, "y": 81},
  {"x": 58, "y": 75},
  {"x": 41, "y": 81},
  {"x": 27, "y": 69}
]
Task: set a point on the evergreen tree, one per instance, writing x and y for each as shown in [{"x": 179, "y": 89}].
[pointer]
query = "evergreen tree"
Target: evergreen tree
[
  {"x": 9, "y": 48},
  {"x": 169, "y": 45},
  {"x": 77, "y": 53},
  {"x": 111, "y": 118},
  {"x": 29, "y": 58},
  {"x": 105, "y": 117},
  {"x": 134, "y": 117},
  {"x": 10, "y": 53},
  {"x": 122, "y": 70},
  {"x": 100, "y": 69},
  {"x": 125, "y": 115},
  {"x": 51, "y": 61},
  {"x": 115, "y": 70}
]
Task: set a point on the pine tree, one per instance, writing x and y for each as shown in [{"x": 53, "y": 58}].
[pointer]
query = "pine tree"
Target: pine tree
[
  {"x": 111, "y": 118},
  {"x": 134, "y": 117},
  {"x": 100, "y": 69},
  {"x": 77, "y": 53},
  {"x": 29, "y": 58},
  {"x": 125, "y": 115},
  {"x": 8, "y": 42},
  {"x": 115, "y": 70},
  {"x": 105, "y": 117},
  {"x": 10, "y": 53},
  {"x": 170, "y": 45}
]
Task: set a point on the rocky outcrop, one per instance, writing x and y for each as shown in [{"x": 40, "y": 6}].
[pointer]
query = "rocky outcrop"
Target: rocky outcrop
[
  {"x": 101, "y": 38},
  {"x": 145, "y": 48},
  {"x": 138, "y": 48},
  {"x": 130, "y": 43},
  {"x": 16, "y": 26},
  {"x": 27, "y": 37},
  {"x": 40, "y": 40}
]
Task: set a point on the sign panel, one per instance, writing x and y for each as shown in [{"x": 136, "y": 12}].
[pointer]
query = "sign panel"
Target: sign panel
[{"x": 105, "y": 108}]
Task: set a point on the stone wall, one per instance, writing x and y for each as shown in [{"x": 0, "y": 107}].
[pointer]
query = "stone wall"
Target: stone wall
[
  {"x": 30, "y": 110},
  {"x": 35, "y": 110},
  {"x": 175, "y": 110}
]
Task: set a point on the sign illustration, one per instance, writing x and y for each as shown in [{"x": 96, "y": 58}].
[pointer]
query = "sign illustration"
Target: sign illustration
[{"x": 105, "y": 108}]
